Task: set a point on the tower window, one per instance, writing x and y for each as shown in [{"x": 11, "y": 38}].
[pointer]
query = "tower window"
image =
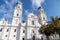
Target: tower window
[
  {"x": 1, "y": 30},
  {"x": 23, "y": 39},
  {"x": 18, "y": 7},
  {"x": 7, "y": 29},
  {"x": 13, "y": 35},
  {"x": 33, "y": 22},
  {"x": 15, "y": 30},
  {"x": 43, "y": 18},
  {"x": 23, "y": 31},
  {"x": 17, "y": 14},
  {"x": 33, "y": 31},
  {"x": 5, "y": 35}
]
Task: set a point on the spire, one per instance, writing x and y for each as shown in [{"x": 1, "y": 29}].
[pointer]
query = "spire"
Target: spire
[
  {"x": 40, "y": 8},
  {"x": 17, "y": 17}
]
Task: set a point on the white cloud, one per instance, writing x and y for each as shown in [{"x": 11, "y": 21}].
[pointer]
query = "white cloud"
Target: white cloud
[
  {"x": 2, "y": 9},
  {"x": 37, "y": 3},
  {"x": 9, "y": 4},
  {"x": 10, "y": 9},
  {"x": 13, "y": 1}
]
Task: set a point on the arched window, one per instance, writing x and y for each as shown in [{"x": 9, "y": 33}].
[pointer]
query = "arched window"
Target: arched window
[
  {"x": 33, "y": 31},
  {"x": 33, "y": 22},
  {"x": 17, "y": 14},
  {"x": 13, "y": 35},
  {"x": 15, "y": 30},
  {"x": 1, "y": 30},
  {"x": 7, "y": 29},
  {"x": 5, "y": 35},
  {"x": 18, "y": 6},
  {"x": 23, "y": 31},
  {"x": 43, "y": 18}
]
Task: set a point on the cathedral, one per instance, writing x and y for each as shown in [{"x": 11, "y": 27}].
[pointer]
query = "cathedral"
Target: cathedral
[{"x": 18, "y": 30}]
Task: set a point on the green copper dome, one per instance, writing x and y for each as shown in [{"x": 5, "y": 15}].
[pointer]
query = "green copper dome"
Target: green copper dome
[
  {"x": 18, "y": 3},
  {"x": 39, "y": 7}
]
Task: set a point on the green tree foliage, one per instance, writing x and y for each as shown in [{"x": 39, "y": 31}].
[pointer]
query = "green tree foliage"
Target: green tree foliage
[{"x": 51, "y": 28}]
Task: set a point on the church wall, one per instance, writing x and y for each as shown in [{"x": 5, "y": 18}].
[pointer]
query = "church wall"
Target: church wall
[
  {"x": 29, "y": 32},
  {"x": 22, "y": 32},
  {"x": 13, "y": 33}
]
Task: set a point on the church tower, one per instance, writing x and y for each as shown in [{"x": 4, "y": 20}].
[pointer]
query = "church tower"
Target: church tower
[
  {"x": 17, "y": 17},
  {"x": 42, "y": 16}
]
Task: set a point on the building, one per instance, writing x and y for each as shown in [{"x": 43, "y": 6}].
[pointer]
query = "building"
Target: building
[{"x": 21, "y": 31}]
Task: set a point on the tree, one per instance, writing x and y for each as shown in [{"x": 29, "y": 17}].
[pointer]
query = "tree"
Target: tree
[
  {"x": 45, "y": 30},
  {"x": 55, "y": 25},
  {"x": 58, "y": 26},
  {"x": 51, "y": 28}
]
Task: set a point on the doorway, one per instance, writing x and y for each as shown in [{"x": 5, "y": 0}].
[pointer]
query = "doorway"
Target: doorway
[
  {"x": 33, "y": 38},
  {"x": 23, "y": 39}
]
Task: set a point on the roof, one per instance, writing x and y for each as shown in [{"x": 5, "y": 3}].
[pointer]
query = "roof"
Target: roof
[
  {"x": 31, "y": 14},
  {"x": 39, "y": 7}
]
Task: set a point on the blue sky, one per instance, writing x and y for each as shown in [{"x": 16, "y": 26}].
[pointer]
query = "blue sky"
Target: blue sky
[{"x": 52, "y": 8}]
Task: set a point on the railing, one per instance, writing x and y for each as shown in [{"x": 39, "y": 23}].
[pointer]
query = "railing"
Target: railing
[
  {"x": 32, "y": 39},
  {"x": 55, "y": 39},
  {"x": 46, "y": 39},
  {"x": 51, "y": 39},
  {"x": 43, "y": 39}
]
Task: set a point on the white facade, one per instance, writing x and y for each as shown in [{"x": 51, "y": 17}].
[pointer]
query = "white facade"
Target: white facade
[{"x": 18, "y": 30}]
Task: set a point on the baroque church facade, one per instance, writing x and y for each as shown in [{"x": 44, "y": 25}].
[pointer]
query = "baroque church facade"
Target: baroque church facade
[{"x": 22, "y": 31}]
